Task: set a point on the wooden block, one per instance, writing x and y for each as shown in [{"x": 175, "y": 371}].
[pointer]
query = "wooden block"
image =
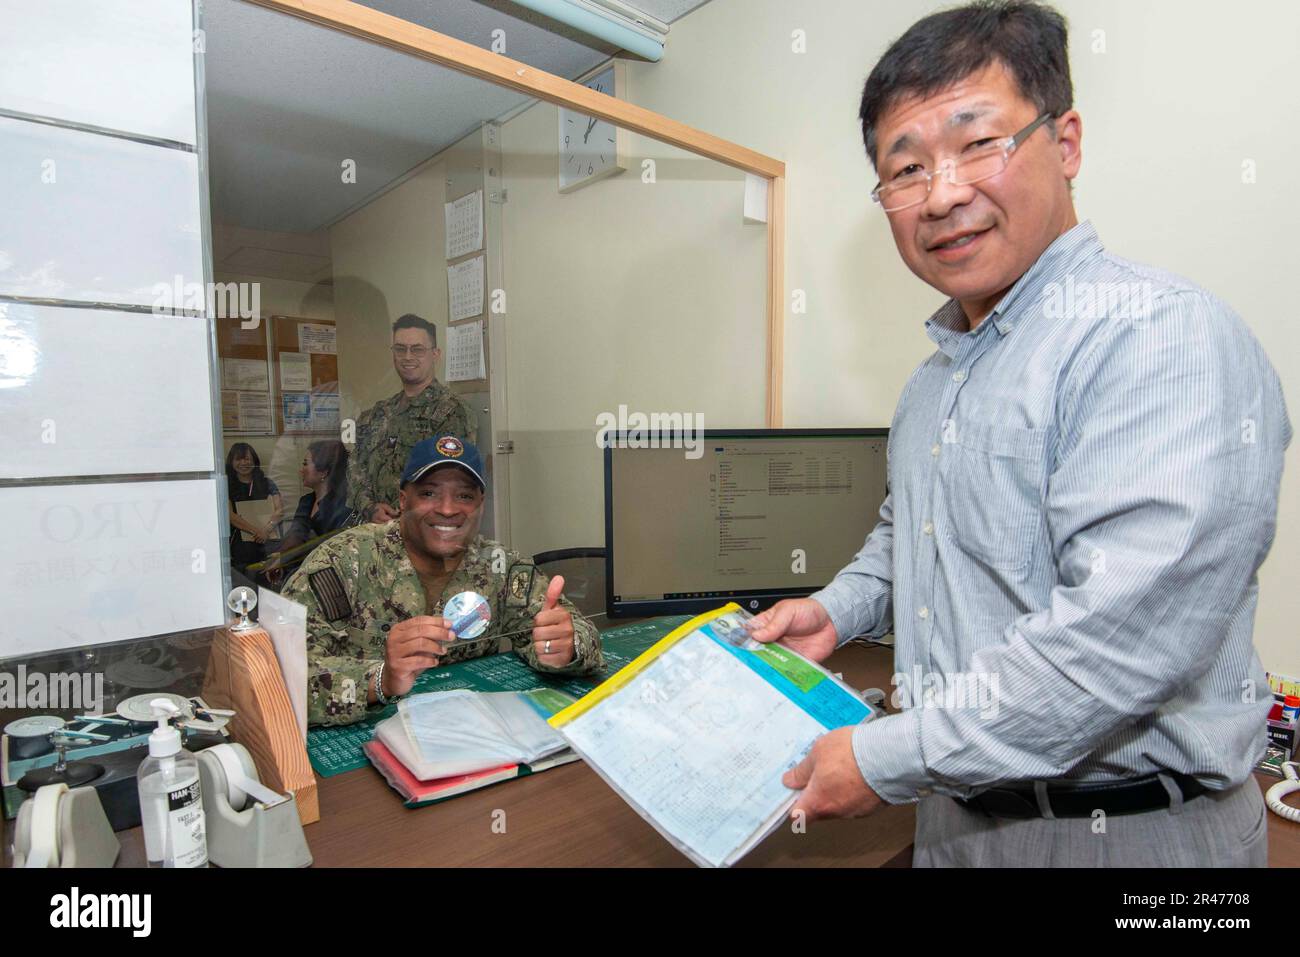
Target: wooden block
[{"x": 244, "y": 675}]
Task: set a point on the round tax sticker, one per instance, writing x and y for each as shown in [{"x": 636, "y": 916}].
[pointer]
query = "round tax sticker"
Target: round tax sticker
[{"x": 469, "y": 614}]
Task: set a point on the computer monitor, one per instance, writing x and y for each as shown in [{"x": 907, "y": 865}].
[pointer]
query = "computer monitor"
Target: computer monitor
[{"x": 750, "y": 516}]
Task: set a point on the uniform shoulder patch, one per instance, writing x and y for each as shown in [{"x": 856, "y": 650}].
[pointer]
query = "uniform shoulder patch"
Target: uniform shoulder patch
[
  {"x": 330, "y": 594},
  {"x": 519, "y": 583}
]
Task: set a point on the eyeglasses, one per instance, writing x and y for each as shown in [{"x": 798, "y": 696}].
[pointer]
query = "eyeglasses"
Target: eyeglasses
[
  {"x": 417, "y": 352},
  {"x": 983, "y": 163}
]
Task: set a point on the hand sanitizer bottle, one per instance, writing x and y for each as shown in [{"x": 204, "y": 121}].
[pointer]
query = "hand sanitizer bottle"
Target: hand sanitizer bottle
[{"x": 171, "y": 806}]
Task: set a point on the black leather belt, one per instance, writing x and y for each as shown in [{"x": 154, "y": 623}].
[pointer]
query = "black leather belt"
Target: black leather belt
[{"x": 1083, "y": 798}]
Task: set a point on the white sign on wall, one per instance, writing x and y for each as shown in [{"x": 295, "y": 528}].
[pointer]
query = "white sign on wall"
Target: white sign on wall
[
  {"x": 100, "y": 392},
  {"x": 88, "y": 564}
]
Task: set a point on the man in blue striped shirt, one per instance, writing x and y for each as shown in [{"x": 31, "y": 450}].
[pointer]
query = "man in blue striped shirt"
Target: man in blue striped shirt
[{"x": 1083, "y": 483}]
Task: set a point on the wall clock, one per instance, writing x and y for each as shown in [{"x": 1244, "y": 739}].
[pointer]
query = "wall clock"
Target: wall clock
[{"x": 591, "y": 149}]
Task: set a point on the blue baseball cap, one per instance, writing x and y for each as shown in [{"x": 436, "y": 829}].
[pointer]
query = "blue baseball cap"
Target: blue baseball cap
[{"x": 443, "y": 450}]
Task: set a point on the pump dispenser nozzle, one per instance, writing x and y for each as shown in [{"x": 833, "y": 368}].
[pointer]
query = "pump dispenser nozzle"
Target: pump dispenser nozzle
[{"x": 164, "y": 740}]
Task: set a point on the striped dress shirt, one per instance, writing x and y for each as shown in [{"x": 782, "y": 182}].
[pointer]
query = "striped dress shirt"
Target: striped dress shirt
[{"x": 1082, "y": 489}]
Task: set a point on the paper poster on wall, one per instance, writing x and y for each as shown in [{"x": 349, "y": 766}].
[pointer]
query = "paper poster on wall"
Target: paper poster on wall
[
  {"x": 256, "y": 336},
  {"x": 464, "y": 219},
  {"x": 297, "y": 412},
  {"x": 295, "y": 372},
  {"x": 229, "y": 410},
  {"x": 315, "y": 338},
  {"x": 245, "y": 411},
  {"x": 465, "y": 289},
  {"x": 246, "y": 375},
  {"x": 465, "y": 352},
  {"x": 325, "y": 412},
  {"x": 254, "y": 411}
]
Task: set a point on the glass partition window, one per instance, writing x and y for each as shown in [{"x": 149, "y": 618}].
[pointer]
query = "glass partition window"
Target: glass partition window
[
  {"x": 113, "y": 559},
  {"x": 224, "y": 344},
  {"x": 566, "y": 285}
]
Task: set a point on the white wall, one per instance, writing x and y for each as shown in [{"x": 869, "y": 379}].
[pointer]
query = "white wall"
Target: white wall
[
  {"x": 1182, "y": 95},
  {"x": 623, "y": 292},
  {"x": 388, "y": 260}
]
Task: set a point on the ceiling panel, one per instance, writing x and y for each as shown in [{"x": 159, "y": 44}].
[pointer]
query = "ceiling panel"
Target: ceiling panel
[{"x": 290, "y": 101}]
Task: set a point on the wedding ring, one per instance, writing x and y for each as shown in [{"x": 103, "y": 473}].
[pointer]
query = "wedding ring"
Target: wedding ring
[{"x": 546, "y": 648}]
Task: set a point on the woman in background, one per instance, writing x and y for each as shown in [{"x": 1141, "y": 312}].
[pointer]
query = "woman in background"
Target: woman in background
[
  {"x": 324, "y": 508},
  {"x": 246, "y": 482}
]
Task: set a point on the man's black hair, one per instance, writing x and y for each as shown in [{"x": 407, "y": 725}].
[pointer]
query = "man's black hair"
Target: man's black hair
[
  {"x": 944, "y": 48},
  {"x": 412, "y": 321}
]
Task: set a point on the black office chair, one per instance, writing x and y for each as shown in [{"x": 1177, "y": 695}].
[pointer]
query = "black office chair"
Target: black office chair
[{"x": 584, "y": 575}]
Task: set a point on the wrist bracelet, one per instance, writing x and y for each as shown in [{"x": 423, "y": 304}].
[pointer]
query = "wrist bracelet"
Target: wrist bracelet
[{"x": 379, "y": 684}]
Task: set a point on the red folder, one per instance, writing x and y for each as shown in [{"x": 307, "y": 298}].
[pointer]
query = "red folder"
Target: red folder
[{"x": 417, "y": 792}]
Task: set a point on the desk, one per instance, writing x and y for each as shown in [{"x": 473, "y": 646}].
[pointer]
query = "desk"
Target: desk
[
  {"x": 564, "y": 817},
  {"x": 568, "y": 817}
]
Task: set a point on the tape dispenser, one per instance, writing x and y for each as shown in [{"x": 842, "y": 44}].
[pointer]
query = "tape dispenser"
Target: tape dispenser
[
  {"x": 248, "y": 824},
  {"x": 60, "y": 826}
]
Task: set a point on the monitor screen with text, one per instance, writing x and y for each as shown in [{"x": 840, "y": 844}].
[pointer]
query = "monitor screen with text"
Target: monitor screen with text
[{"x": 748, "y": 516}]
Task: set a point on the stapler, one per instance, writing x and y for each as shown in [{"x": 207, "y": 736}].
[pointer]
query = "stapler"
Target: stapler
[
  {"x": 248, "y": 824},
  {"x": 62, "y": 827}
]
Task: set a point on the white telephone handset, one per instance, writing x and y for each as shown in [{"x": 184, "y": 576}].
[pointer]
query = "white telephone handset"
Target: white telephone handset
[{"x": 1289, "y": 785}]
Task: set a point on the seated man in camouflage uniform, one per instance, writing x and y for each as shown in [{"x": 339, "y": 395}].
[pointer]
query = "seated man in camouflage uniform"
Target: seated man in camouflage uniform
[{"x": 375, "y": 594}]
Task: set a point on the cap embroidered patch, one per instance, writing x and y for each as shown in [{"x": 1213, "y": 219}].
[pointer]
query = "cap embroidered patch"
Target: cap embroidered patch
[{"x": 451, "y": 447}]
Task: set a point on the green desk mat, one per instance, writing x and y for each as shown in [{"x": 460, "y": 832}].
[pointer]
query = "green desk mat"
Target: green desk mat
[{"x": 336, "y": 749}]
